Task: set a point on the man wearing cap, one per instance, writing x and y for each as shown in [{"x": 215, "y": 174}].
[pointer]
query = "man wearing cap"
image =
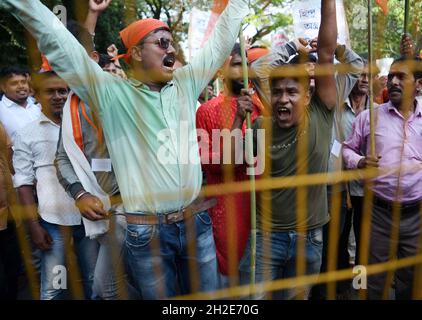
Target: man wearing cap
[{"x": 149, "y": 126}]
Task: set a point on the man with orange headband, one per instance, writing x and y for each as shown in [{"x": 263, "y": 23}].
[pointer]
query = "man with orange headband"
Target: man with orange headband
[{"x": 149, "y": 126}]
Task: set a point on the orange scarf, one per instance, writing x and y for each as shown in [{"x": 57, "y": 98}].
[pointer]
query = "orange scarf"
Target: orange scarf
[{"x": 76, "y": 122}]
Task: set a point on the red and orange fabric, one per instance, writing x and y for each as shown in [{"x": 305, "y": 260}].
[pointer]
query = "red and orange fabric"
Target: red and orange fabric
[
  {"x": 256, "y": 53},
  {"x": 219, "y": 113},
  {"x": 384, "y": 5},
  {"x": 45, "y": 66}
]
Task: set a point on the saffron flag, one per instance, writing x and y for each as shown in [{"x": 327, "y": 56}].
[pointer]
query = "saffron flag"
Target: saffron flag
[
  {"x": 201, "y": 25},
  {"x": 383, "y": 5},
  {"x": 217, "y": 8}
]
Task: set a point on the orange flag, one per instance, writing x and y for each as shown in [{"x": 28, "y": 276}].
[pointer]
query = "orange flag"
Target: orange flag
[
  {"x": 217, "y": 8},
  {"x": 383, "y": 5}
]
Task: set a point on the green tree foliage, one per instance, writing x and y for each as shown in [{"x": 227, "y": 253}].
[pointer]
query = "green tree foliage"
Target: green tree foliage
[
  {"x": 387, "y": 30},
  {"x": 266, "y": 17}
]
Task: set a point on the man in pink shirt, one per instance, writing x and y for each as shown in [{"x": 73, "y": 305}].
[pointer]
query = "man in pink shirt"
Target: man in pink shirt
[{"x": 398, "y": 144}]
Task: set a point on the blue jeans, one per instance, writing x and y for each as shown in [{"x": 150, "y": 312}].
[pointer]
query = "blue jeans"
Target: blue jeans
[
  {"x": 281, "y": 263},
  {"x": 110, "y": 281},
  {"x": 159, "y": 260},
  {"x": 53, "y": 261}
]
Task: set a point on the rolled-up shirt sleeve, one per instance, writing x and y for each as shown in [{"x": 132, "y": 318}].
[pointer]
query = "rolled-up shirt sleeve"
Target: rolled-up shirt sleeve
[
  {"x": 356, "y": 142},
  {"x": 23, "y": 163}
]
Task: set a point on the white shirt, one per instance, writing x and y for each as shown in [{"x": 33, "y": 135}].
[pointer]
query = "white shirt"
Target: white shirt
[
  {"x": 14, "y": 117},
  {"x": 33, "y": 159}
]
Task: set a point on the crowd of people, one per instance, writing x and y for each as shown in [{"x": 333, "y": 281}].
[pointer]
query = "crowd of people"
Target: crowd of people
[{"x": 107, "y": 166}]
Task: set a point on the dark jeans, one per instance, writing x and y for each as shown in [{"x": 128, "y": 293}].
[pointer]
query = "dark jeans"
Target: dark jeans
[
  {"x": 379, "y": 250},
  {"x": 159, "y": 260},
  {"x": 9, "y": 263},
  {"x": 280, "y": 261},
  {"x": 357, "y": 204},
  {"x": 319, "y": 292}
]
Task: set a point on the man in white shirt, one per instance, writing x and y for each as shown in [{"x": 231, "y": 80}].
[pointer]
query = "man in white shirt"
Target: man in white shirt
[
  {"x": 33, "y": 159},
  {"x": 17, "y": 109}
]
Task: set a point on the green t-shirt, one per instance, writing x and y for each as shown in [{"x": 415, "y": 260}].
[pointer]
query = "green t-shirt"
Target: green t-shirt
[{"x": 284, "y": 162}]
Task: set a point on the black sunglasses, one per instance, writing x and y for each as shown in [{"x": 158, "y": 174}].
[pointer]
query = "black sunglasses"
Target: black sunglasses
[{"x": 163, "y": 43}]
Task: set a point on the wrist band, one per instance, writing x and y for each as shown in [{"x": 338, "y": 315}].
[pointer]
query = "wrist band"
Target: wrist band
[{"x": 81, "y": 195}]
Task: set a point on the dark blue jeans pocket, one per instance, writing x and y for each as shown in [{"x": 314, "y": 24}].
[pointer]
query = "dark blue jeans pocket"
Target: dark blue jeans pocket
[
  {"x": 315, "y": 237},
  {"x": 205, "y": 218},
  {"x": 138, "y": 236}
]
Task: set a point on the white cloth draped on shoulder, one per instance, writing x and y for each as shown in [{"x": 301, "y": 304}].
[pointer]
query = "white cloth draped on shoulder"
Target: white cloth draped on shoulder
[{"x": 84, "y": 172}]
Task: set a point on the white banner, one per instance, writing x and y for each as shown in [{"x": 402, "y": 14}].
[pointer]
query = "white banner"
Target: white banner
[
  {"x": 307, "y": 18},
  {"x": 197, "y": 29}
]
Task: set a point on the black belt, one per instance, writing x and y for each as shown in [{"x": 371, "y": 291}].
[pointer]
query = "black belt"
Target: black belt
[
  {"x": 404, "y": 207},
  {"x": 197, "y": 206}
]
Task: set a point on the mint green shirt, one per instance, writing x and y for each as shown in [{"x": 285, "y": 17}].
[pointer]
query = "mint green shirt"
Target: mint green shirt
[{"x": 151, "y": 136}]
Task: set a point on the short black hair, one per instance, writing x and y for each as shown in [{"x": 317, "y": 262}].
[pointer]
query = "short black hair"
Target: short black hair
[
  {"x": 417, "y": 65},
  {"x": 38, "y": 78},
  {"x": 8, "y": 71},
  {"x": 105, "y": 59},
  {"x": 236, "y": 49},
  {"x": 303, "y": 58},
  {"x": 296, "y": 72},
  {"x": 82, "y": 35}
]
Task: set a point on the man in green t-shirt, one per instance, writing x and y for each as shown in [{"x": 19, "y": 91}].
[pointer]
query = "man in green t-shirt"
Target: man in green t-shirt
[{"x": 301, "y": 128}]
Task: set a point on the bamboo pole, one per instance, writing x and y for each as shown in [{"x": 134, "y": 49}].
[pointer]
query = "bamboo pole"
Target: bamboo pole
[
  {"x": 371, "y": 97},
  {"x": 250, "y": 162},
  {"x": 406, "y": 15}
]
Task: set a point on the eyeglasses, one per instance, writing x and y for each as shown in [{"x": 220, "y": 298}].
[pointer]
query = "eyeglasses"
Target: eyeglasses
[{"x": 163, "y": 43}]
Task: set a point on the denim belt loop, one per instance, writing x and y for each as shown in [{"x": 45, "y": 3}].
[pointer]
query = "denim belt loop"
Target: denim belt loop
[{"x": 161, "y": 218}]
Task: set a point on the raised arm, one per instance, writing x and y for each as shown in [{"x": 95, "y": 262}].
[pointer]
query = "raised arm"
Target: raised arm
[
  {"x": 67, "y": 57},
  {"x": 263, "y": 67},
  {"x": 96, "y": 7},
  {"x": 346, "y": 81},
  {"x": 325, "y": 85},
  {"x": 211, "y": 57}
]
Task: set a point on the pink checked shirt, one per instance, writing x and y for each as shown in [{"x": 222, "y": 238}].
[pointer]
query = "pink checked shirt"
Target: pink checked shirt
[{"x": 398, "y": 142}]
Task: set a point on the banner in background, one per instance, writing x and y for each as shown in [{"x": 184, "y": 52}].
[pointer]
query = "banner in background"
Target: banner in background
[
  {"x": 307, "y": 18},
  {"x": 217, "y": 8},
  {"x": 201, "y": 25},
  {"x": 197, "y": 28}
]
